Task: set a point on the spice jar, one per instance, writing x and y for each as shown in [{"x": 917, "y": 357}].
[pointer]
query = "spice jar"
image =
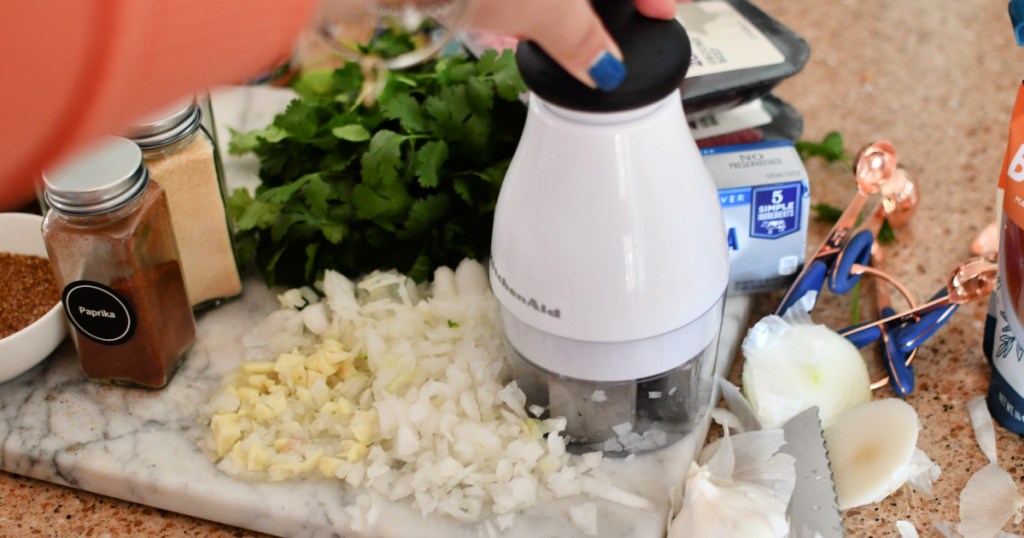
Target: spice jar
[
  {"x": 183, "y": 159},
  {"x": 109, "y": 238}
]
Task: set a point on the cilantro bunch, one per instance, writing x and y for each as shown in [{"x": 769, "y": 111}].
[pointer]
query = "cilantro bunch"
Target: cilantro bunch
[{"x": 409, "y": 182}]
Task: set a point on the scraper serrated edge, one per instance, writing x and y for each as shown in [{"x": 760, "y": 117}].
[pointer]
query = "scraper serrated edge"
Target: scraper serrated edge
[{"x": 814, "y": 509}]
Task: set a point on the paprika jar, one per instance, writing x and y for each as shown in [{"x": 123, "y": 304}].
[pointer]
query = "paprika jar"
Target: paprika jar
[
  {"x": 183, "y": 159},
  {"x": 113, "y": 253}
]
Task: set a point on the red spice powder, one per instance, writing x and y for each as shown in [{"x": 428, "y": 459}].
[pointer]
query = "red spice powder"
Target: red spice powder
[
  {"x": 164, "y": 331},
  {"x": 27, "y": 291}
]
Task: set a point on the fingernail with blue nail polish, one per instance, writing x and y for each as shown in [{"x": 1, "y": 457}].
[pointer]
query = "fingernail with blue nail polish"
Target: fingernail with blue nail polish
[{"x": 607, "y": 72}]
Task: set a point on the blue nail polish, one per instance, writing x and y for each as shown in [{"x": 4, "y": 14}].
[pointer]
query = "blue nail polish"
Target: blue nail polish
[{"x": 607, "y": 72}]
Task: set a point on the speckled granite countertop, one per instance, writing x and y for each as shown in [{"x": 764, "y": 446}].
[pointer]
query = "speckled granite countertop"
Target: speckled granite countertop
[{"x": 937, "y": 78}]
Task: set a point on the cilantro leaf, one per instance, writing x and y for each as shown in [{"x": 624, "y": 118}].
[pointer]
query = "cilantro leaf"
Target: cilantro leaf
[
  {"x": 314, "y": 84},
  {"x": 886, "y": 234},
  {"x": 258, "y": 214},
  {"x": 831, "y": 148},
  {"x": 299, "y": 120},
  {"x": 283, "y": 193},
  {"x": 352, "y": 133},
  {"x": 429, "y": 160},
  {"x": 388, "y": 201},
  {"x": 311, "y": 251},
  {"x": 334, "y": 232},
  {"x": 827, "y": 213},
  {"x": 242, "y": 143},
  {"x": 449, "y": 108},
  {"x": 408, "y": 183},
  {"x": 461, "y": 187},
  {"x": 381, "y": 161},
  {"x": 506, "y": 77},
  {"x": 317, "y": 195},
  {"x": 406, "y": 109},
  {"x": 424, "y": 213},
  {"x": 487, "y": 62},
  {"x": 421, "y": 268},
  {"x": 480, "y": 95}
]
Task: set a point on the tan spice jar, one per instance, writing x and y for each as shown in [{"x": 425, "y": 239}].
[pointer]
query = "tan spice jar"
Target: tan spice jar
[{"x": 183, "y": 159}]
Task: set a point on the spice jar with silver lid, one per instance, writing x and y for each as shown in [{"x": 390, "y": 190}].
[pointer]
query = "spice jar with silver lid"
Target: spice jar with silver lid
[
  {"x": 108, "y": 235},
  {"x": 183, "y": 159}
]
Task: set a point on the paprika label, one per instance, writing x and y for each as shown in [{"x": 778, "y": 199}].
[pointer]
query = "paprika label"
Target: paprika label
[{"x": 98, "y": 312}]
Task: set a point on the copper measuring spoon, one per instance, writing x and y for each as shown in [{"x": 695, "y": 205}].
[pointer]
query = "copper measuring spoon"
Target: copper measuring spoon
[{"x": 973, "y": 279}]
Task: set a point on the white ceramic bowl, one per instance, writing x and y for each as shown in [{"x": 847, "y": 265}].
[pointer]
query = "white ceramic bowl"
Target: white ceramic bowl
[{"x": 21, "y": 233}]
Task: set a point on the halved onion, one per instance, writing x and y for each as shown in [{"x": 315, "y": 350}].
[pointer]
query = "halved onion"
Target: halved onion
[{"x": 790, "y": 367}]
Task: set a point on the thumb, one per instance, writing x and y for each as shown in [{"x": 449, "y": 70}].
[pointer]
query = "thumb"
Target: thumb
[
  {"x": 568, "y": 30},
  {"x": 657, "y": 9}
]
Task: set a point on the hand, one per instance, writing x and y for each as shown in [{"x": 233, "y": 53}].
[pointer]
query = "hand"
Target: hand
[{"x": 569, "y": 31}]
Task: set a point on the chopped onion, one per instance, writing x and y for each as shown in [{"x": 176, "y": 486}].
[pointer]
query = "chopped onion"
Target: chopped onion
[
  {"x": 399, "y": 393},
  {"x": 870, "y": 449},
  {"x": 791, "y": 365}
]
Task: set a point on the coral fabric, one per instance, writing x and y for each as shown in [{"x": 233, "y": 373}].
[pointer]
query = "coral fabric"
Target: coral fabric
[{"x": 73, "y": 70}]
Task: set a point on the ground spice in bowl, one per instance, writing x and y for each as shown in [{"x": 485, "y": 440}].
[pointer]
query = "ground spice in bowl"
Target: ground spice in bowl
[{"x": 27, "y": 291}]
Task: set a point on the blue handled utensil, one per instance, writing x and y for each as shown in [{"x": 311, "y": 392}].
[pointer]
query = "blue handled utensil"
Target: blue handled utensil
[
  {"x": 896, "y": 359},
  {"x": 831, "y": 266},
  {"x": 914, "y": 334},
  {"x": 903, "y": 333},
  {"x": 911, "y": 334},
  {"x": 837, "y": 254},
  {"x": 972, "y": 279}
]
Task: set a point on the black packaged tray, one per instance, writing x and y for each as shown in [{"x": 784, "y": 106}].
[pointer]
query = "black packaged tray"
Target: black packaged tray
[
  {"x": 711, "y": 92},
  {"x": 786, "y": 124},
  {"x": 714, "y": 91}
]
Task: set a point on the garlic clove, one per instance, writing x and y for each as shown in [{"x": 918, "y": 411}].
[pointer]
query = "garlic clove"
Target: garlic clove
[{"x": 715, "y": 507}]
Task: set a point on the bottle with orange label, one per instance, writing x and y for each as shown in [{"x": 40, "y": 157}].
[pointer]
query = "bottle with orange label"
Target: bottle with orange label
[{"x": 1004, "y": 328}]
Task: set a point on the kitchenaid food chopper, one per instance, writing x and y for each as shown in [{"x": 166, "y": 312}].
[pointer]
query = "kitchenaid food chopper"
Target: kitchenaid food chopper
[{"x": 609, "y": 256}]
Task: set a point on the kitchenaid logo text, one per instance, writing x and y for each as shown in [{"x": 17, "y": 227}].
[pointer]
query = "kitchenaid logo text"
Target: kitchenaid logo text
[
  {"x": 96, "y": 313},
  {"x": 754, "y": 160},
  {"x": 528, "y": 301}
]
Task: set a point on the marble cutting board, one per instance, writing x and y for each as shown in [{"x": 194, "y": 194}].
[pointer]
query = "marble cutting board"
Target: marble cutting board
[{"x": 142, "y": 446}]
